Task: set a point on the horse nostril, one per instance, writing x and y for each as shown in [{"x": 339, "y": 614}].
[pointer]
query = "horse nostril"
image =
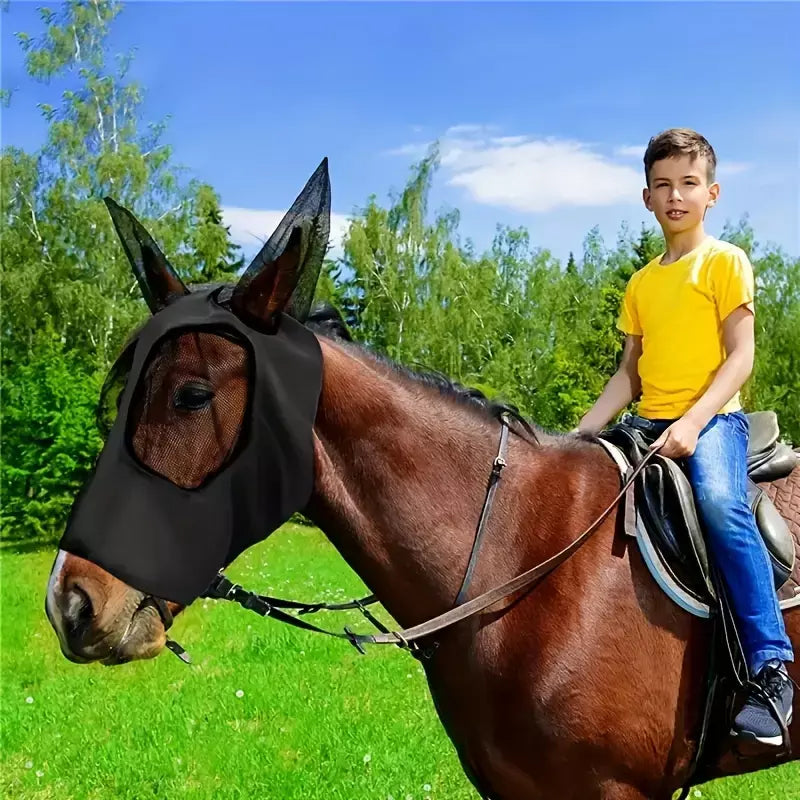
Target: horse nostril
[{"x": 78, "y": 611}]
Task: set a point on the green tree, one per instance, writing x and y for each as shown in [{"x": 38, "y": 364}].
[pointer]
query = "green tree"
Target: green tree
[
  {"x": 49, "y": 438},
  {"x": 68, "y": 290},
  {"x": 775, "y": 382},
  {"x": 649, "y": 245},
  {"x": 62, "y": 260}
]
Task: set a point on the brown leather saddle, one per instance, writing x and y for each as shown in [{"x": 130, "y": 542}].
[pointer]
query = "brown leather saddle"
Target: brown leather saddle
[{"x": 665, "y": 510}]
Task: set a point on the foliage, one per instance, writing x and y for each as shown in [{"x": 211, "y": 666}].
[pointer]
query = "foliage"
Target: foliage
[
  {"x": 68, "y": 289},
  {"x": 50, "y": 440},
  {"x": 511, "y": 320}
]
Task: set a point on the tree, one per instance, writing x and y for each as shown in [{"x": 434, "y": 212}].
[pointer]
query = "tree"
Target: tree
[
  {"x": 68, "y": 289},
  {"x": 50, "y": 439},
  {"x": 62, "y": 259},
  {"x": 649, "y": 245},
  {"x": 775, "y": 382}
]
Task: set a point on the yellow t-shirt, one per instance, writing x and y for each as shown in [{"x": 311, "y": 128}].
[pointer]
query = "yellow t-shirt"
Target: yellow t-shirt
[{"x": 678, "y": 311}]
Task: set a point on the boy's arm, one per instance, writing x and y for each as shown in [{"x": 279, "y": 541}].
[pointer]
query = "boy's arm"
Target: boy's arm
[
  {"x": 623, "y": 387},
  {"x": 738, "y": 331}
]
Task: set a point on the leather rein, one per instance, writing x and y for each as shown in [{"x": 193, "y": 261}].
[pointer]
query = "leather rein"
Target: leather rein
[{"x": 222, "y": 588}]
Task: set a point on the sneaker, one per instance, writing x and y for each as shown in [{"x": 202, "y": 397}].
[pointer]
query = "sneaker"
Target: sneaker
[{"x": 756, "y": 721}]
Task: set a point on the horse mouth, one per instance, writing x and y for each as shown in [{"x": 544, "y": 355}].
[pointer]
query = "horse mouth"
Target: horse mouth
[{"x": 143, "y": 638}]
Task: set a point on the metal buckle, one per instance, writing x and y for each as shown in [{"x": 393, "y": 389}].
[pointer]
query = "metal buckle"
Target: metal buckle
[
  {"x": 351, "y": 637},
  {"x": 174, "y": 647},
  {"x": 219, "y": 589},
  {"x": 255, "y": 603}
]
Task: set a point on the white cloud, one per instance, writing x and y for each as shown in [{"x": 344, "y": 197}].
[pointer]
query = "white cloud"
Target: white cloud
[
  {"x": 505, "y": 140},
  {"x": 467, "y": 129},
  {"x": 733, "y": 167},
  {"x": 414, "y": 150},
  {"x": 631, "y": 151},
  {"x": 534, "y": 174},
  {"x": 251, "y": 227}
]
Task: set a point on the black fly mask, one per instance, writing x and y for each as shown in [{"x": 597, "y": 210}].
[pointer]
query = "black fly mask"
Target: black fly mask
[{"x": 211, "y": 449}]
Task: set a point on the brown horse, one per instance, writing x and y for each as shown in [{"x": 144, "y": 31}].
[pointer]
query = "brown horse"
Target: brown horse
[{"x": 588, "y": 686}]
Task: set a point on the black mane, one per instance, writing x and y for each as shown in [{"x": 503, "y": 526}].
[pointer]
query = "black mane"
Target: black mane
[{"x": 326, "y": 320}]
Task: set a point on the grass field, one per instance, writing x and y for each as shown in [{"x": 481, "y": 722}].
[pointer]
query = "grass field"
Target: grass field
[{"x": 265, "y": 712}]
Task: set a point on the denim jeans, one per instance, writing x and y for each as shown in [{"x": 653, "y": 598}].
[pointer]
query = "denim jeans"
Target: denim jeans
[{"x": 717, "y": 471}]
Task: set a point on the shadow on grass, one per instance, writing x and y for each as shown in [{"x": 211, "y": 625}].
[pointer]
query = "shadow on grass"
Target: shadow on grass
[{"x": 21, "y": 546}]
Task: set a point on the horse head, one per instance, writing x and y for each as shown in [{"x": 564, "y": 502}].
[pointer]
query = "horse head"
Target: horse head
[{"x": 211, "y": 448}]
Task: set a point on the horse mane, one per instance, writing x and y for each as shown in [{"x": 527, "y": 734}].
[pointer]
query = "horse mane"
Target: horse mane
[{"x": 326, "y": 320}]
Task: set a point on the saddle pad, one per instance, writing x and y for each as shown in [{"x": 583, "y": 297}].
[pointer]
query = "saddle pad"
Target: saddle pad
[{"x": 785, "y": 494}]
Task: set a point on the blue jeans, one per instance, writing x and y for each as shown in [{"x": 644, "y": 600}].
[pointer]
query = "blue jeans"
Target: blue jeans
[{"x": 717, "y": 471}]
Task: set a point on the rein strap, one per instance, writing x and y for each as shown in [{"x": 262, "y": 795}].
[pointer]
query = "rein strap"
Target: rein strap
[
  {"x": 494, "y": 479},
  {"x": 224, "y": 589}
]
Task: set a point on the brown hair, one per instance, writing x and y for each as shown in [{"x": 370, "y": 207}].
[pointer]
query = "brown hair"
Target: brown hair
[{"x": 679, "y": 142}]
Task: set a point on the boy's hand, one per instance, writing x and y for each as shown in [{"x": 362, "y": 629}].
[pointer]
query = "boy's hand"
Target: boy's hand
[{"x": 679, "y": 440}]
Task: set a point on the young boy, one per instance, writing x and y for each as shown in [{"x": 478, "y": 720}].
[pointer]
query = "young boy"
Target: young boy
[{"x": 689, "y": 342}]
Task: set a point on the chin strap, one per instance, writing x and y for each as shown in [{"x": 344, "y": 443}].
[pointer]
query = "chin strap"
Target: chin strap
[{"x": 167, "y": 619}]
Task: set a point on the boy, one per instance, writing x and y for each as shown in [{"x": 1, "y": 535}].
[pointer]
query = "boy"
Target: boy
[{"x": 689, "y": 343}]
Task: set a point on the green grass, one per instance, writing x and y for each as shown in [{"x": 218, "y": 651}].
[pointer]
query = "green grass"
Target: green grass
[{"x": 316, "y": 719}]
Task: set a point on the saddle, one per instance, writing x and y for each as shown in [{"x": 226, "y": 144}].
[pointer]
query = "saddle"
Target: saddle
[{"x": 663, "y": 517}]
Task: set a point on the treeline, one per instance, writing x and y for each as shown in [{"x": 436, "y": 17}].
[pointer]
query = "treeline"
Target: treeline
[{"x": 512, "y": 321}]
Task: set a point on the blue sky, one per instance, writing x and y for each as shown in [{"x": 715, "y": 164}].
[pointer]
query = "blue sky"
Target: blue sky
[{"x": 542, "y": 110}]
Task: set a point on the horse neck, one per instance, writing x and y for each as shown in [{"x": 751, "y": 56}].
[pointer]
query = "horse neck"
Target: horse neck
[{"x": 400, "y": 478}]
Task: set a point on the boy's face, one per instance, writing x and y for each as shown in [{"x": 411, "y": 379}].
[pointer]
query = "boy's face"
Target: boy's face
[{"x": 679, "y": 193}]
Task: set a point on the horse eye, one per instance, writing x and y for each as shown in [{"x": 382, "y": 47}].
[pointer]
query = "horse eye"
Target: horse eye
[{"x": 192, "y": 397}]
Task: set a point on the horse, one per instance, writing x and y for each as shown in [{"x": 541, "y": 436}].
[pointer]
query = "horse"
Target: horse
[{"x": 590, "y": 685}]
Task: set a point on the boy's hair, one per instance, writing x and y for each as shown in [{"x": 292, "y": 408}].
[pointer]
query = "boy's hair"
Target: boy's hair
[{"x": 680, "y": 142}]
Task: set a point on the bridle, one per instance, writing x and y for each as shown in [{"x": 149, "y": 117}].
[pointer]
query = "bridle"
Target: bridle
[
  {"x": 167, "y": 619},
  {"x": 222, "y": 588},
  {"x": 161, "y": 606}
]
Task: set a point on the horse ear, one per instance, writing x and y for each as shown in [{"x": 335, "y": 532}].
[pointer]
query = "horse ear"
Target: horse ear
[
  {"x": 157, "y": 279},
  {"x": 283, "y": 276}
]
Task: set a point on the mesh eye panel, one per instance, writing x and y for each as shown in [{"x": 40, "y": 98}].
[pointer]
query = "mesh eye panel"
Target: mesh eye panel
[{"x": 188, "y": 408}]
